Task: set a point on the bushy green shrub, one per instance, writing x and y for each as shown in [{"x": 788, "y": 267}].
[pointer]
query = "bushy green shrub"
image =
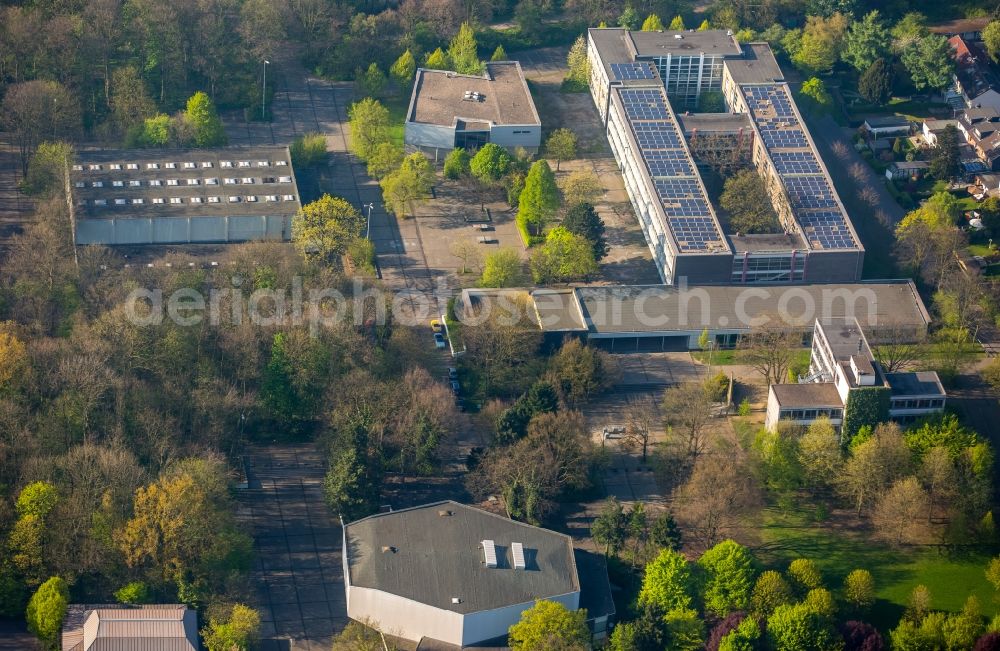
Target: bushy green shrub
[
  {"x": 456, "y": 163},
  {"x": 308, "y": 150},
  {"x": 362, "y": 255}
]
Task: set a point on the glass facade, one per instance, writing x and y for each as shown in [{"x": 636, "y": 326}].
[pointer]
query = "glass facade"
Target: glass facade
[
  {"x": 811, "y": 414},
  {"x": 687, "y": 77},
  {"x": 769, "y": 268}
]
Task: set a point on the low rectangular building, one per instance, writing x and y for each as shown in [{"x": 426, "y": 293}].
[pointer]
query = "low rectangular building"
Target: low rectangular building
[
  {"x": 901, "y": 170},
  {"x": 449, "y": 110},
  {"x": 118, "y": 627},
  {"x": 183, "y": 196},
  {"x": 841, "y": 363}
]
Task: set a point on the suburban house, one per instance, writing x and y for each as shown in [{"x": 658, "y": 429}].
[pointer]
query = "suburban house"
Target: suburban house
[
  {"x": 989, "y": 184},
  {"x": 116, "y": 627},
  {"x": 931, "y": 128},
  {"x": 449, "y": 110},
  {"x": 447, "y": 575},
  {"x": 887, "y": 125},
  {"x": 840, "y": 364},
  {"x": 901, "y": 170},
  {"x": 970, "y": 29},
  {"x": 183, "y": 196},
  {"x": 975, "y": 80},
  {"x": 981, "y": 129}
]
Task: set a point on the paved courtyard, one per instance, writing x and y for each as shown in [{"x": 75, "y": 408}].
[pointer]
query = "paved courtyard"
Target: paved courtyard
[{"x": 297, "y": 542}]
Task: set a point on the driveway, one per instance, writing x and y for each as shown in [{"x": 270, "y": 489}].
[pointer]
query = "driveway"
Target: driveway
[{"x": 297, "y": 542}]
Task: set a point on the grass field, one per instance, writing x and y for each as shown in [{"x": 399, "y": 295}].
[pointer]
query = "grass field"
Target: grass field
[
  {"x": 730, "y": 357},
  {"x": 789, "y": 534}
]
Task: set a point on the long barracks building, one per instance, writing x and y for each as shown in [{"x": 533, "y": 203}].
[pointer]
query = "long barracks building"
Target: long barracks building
[{"x": 637, "y": 78}]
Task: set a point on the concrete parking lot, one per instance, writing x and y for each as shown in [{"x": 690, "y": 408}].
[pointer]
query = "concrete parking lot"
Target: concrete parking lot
[{"x": 297, "y": 567}]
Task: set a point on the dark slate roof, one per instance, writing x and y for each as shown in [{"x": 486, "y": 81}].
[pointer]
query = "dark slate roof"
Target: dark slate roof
[
  {"x": 921, "y": 383},
  {"x": 595, "y": 588},
  {"x": 435, "y": 558},
  {"x": 813, "y": 394}
]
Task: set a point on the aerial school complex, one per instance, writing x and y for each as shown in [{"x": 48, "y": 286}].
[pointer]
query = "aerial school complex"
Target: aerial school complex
[{"x": 638, "y": 78}]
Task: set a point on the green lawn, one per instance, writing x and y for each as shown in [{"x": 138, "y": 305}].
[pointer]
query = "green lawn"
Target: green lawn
[
  {"x": 397, "y": 116},
  {"x": 730, "y": 357},
  {"x": 790, "y": 534},
  {"x": 981, "y": 249}
]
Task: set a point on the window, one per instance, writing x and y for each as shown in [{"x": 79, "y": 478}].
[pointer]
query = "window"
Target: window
[
  {"x": 231, "y": 181},
  {"x": 251, "y": 198},
  {"x": 171, "y": 166},
  {"x": 262, "y": 163},
  {"x": 79, "y": 184},
  {"x": 192, "y": 181},
  {"x": 195, "y": 199},
  {"x": 97, "y": 184},
  {"x": 212, "y": 181},
  {"x": 152, "y": 166},
  {"x": 171, "y": 181},
  {"x": 100, "y": 202},
  {"x": 94, "y": 167},
  {"x": 213, "y": 200},
  {"x": 78, "y": 168},
  {"x": 270, "y": 197},
  {"x": 132, "y": 166},
  {"x": 280, "y": 163},
  {"x": 138, "y": 200},
  {"x": 134, "y": 183},
  {"x": 226, "y": 163},
  {"x": 118, "y": 184},
  {"x": 247, "y": 179},
  {"x": 288, "y": 197},
  {"x": 157, "y": 199},
  {"x": 206, "y": 163},
  {"x": 268, "y": 179},
  {"x": 175, "y": 200},
  {"x": 116, "y": 166},
  {"x": 234, "y": 199},
  {"x": 244, "y": 163},
  {"x": 189, "y": 165},
  {"x": 119, "y": 202},
  {"x": 155, "y": 183},
  {"x": 284, "y": 179}
]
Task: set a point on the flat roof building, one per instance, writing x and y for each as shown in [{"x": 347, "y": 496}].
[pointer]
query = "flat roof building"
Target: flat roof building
[
  {"x": 454, "y": 574},
  {"x": 661, "y": 317},
  {"x": 183, "y": 196},
  {"x": 449, "y": 110},
  {"x": 840, "y": 363},
  {"x": 637, "y": 79}
]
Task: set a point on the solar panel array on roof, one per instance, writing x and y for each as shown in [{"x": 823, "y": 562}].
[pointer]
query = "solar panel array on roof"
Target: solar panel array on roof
[
  {"x": 689, "y": 214},
  {"x": 632, "y": 71},
  {"x": 812, "y": 197}
]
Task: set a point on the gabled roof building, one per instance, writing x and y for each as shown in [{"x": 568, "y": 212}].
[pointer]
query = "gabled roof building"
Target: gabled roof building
[{"x": 116, "y": 627}]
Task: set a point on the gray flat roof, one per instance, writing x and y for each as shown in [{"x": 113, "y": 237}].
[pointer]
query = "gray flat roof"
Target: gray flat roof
[
  {"x": 760, "y": 242},
  {"x": 726, "y": 123},
  {"x": 126, "y": 183},
  {"x": 920, "y": 383},
  {"x": 439, "y": 97},
  {"x": 757, "y": 66},
  {"x": 813, "y": 394},
  {"x": 846, "y": 338},
  {"x": 688, "y": 42},
  {"x": 439, "y": 557}
]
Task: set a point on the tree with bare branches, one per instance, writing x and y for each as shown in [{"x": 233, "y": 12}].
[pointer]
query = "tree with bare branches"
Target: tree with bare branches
[
  {"x": 770, "y": 349},
  {"x": 719, "y": 494},
  {"x": 687, "y": 416},
  {"x": 641, "y": 416},
  {"x": 898, "y": 350}
]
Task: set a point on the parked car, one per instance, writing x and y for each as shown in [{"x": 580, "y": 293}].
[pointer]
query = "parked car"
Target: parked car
[
  {"x": 456, "y": 388},
  {"x": 452, "y": 373},
  {"x": 436, "y": 325},
  {"x": 439, "y": 340}
]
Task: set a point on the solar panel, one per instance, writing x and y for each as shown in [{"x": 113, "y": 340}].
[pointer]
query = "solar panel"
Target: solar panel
[
  {"x": 795, "y": 162},
  {"x": 629, "y": 71},
  {"x": 644, "y": 104}
]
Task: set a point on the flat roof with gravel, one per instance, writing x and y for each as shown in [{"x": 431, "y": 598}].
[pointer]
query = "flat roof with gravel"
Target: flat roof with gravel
[{"x": 499, "y": 96}]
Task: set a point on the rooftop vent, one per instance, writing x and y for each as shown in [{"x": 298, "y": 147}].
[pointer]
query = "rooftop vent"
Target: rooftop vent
[
  {"x": 678, "y": 36},
  {"x": 456, "y": 600},
  {"x": 517, "y": 551},
  {"x": 445, "y": 513},
  {"x": 388, "y": 549},
  {"x": 489, "y": 553}
]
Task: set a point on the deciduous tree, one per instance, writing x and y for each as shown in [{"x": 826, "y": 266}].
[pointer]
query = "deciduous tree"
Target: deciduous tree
[
  {"x": 237, "y": 631},
  {"x": 822, "y": 42},
  {"x": 667, "y": 582},
  {"x": 502, "y": 268},
  {"x": 47, "y": 609},
  {"x": 610, "y": 527},
  {"x": 403, "y": 68},
  {"x": 561, "y": 145},
  {"x": 582, "y": 219},
  {"x": 866, "y": 41},
  {"x": 462, "y": 52},
  {"x": 770, "y": 591},
  {"x": 859, "y": 590},
  {"x": 582, "y": 186},
  {"x": 550, "y": 626},
  {"x": 369, "y": 124},
  {"x": 728, "y": 577},
  {"x": 563, "y": 257},
  {"x": 324, "y": 228},
  {"x": 900, "y": 514},
  {"x": 490, "y": 163},
  {"x": 749, "y": 208},
  {"x": 687, "y": 416},
  {"x": 201, "y": 115},
  {"x": 928, "y": 60},
  {"x": 34, "y": 111},
  {"x": 652, "y": 24},
  {"x": 539, "y": 200}
]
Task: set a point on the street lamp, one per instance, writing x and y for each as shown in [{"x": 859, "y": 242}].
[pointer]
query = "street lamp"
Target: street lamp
[
  {"x": 368, "y": 226},
  {"x": 263, "y": 92}
]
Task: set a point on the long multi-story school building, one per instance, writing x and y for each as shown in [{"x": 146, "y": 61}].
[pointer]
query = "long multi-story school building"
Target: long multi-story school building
[{"x": 636, "y": 80}]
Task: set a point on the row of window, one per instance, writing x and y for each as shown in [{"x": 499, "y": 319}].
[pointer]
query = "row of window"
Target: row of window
[
  {"x": 923, "y": 403},
  {"x": 251, "y": 198},
  {"x": 135, "y": 183},
  {"x": 811, "y": 414},
  {"x": 188, "y": 165}
]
